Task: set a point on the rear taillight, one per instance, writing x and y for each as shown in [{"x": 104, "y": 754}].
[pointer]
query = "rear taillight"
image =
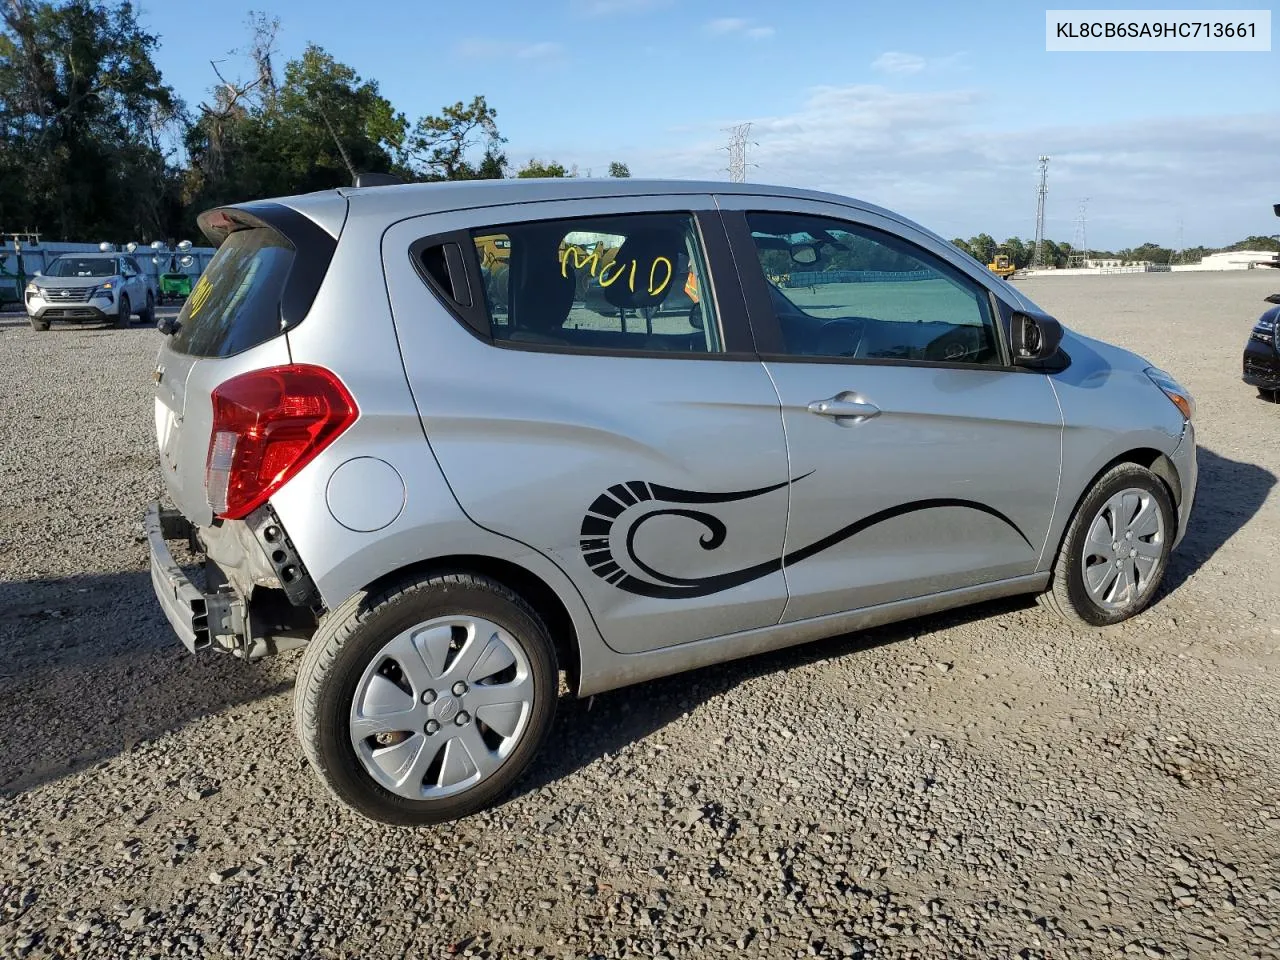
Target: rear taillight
[{"x": 268, "y": 425}]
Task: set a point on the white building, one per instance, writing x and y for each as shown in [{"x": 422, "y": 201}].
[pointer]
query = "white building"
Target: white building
[{"x": 1231, "y": 260}]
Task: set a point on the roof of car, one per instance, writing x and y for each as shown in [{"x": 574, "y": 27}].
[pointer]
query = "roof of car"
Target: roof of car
[{"x": 403, "y": 199}]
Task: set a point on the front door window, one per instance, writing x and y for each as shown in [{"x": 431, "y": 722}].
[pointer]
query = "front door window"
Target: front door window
[{"x": 843, "y": 290}]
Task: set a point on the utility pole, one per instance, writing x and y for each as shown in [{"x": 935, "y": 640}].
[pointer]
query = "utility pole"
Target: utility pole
[
  {"x": 738, "y": 152},
  {"x": 1181, "y": 245},
  {"x": 1037, "y": 255},
  {"x": 1080, "y": 242}
]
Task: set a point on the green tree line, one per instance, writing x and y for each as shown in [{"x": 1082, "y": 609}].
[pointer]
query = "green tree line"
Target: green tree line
[
  {"x": 984, "y": 248},
  {"x": 95, "y": 145}
]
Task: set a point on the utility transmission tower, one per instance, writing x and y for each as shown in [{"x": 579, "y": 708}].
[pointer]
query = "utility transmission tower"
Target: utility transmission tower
[
  {"x": 1037, "y": 255},
  {"x": 1080, "y": 242},
  {"x": 738, "y": 152}
]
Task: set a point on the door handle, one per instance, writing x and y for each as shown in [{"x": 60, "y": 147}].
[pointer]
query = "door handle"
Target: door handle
[{"x": 840, "y": 409}]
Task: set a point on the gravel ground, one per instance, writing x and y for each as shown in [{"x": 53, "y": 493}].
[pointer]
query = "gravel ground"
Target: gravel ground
[{"x": 986, "y": 783}]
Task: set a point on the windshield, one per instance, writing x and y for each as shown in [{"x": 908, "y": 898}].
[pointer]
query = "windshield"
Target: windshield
[{"x": 82, "y": 267}]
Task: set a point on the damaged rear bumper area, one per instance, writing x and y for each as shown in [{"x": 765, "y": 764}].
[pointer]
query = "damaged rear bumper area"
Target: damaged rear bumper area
[{"x": 248, "y": 618}]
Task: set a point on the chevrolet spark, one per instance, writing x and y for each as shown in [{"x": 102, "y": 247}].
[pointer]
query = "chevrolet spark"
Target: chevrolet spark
[{"x": 457, "y": 439}]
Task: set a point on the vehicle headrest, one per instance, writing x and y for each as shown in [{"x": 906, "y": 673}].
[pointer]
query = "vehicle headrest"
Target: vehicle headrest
[
  {"x": 656, "y": 254},
  {"x": 542, "y": 288}
]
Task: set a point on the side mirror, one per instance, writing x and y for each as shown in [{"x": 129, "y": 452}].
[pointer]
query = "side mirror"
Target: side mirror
[{"x": 1035, "y": 337}]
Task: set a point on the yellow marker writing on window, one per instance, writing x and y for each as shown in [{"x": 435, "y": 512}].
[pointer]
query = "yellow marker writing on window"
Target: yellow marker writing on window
[
  {"x": 200, "y": 295},
  {"x": 622, "y": 269},
  {"x": 655, "y": 289},
  {"x": 580, "y": 259},
  {"x": 661, "y": 270}
]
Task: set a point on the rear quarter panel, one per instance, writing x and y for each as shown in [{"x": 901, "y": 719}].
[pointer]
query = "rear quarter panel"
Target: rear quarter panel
[{"x": 349, "y": 331}]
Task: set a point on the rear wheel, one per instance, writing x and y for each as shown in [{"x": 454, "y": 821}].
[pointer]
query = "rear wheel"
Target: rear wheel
[
  {"x": 124, "y": 312},
  {"x": 1116, "y": 548},
  {"x": 426, "y": 702},
  {"x": 148, "y": 316},
  {"x": 38, "y": 324}
]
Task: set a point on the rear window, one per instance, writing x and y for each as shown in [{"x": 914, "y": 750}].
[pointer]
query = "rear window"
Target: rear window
[{"x": 235, "y": 304}]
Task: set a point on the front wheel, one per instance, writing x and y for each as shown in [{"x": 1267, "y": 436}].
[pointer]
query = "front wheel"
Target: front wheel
[
  {"x": 37, "y": 324},
  {"x": 124, "y": 312},
  {"x": 1116, "y": 548},
  {"x": 426, "y": 702}
]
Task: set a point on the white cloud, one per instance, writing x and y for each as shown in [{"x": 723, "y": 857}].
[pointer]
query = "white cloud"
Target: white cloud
[
  {"x": 726, "y": 25},
  {"x": 900, "y": 63},
  {"x": 490, "y": 49},
  {"x": 738, "y": 27},
  {"x": 948, "y": 160}
]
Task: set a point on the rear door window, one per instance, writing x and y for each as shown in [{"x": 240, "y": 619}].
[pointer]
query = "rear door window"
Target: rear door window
[
  {"x": 235, "y": 304},
  {"x": 629, "y": 283}
]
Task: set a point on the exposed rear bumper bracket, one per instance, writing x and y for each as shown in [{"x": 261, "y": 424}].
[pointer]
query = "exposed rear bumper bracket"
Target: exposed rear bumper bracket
[{"x": 200, "y": 619}]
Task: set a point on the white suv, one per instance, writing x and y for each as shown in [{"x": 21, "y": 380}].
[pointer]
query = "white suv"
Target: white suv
[{"x": 87, "y": 287}]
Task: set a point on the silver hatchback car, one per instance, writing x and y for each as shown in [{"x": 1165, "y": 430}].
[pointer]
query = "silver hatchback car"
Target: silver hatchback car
[{"x": 458, "y": 438}]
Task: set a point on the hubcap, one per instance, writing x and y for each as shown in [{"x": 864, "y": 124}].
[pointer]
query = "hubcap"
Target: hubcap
[
  {"x": 412, "y": 729},
  {"x": 1123, "y": 548}
]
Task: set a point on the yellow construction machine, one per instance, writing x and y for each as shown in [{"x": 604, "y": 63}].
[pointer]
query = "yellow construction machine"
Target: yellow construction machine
[{"x": 1002, "y": 266}]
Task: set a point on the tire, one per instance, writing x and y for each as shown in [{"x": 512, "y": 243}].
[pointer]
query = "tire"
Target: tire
[
  {"x": 148, "y": 316},
  {"x": 1069, "y": 594},
  {"x": 358, "y": 649},
  {"x": 1271, "y": 396},
  {"x": 38, "y": 324},
  {"x": 123, "y": 312}
]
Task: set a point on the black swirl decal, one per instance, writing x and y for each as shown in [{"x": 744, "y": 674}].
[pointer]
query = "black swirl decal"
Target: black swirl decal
[{"x": 597, "y": 528}]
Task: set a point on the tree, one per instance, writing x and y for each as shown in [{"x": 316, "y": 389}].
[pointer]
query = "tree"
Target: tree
[
  {"x": 536, "y": 168},
  {"x": 83, "y": 118},
  {"x": 1256, "y": 243},
  {"x": 619, "y": 170},
  {"x": 439, "y": 145},
  {"x": 315, "y": 129},
  {"x": 321, "y": 95},
  {"x": 1151, "y": 252},
  {"x": 983, "y": 248}
]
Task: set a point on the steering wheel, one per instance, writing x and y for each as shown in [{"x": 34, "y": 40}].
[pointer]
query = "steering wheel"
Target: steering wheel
[
  {"x": 841, "y": 337},
  {"x": 959, "y": 344}
]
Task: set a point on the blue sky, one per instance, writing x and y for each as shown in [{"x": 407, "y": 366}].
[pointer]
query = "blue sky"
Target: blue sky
[{"x": 938, "y": 110}]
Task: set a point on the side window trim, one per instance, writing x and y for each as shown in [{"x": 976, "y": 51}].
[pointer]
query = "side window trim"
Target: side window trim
[
  {"x": 766, "y": 331},
  {"x": 764, "y": 321},
  {"x": 722, "y": 275},
  {"x": 463, "y": 270}
]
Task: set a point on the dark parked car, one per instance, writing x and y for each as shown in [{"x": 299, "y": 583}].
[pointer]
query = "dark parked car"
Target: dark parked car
[{"x": 1262, "y": 353}]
